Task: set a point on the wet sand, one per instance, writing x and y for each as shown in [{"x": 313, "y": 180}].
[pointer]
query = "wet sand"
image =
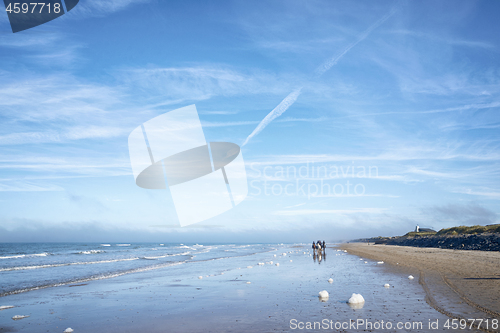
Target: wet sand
[{"x": 458, "y": 283}]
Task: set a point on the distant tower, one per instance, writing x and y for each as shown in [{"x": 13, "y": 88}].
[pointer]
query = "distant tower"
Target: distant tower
[{"x": 417, "y": 228}]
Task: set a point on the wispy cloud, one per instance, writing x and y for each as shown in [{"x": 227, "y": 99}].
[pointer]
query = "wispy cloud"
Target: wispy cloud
[
  {"x": 328, "y": 211},
  {"x": 71, "y": 133},
  {"x": 27, "y": 186},
  {"x": 181, "y": 84},
  {"x": 471, "y": 213}
]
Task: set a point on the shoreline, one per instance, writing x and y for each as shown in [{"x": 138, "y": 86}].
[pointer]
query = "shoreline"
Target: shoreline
[
  {"x": 458, "y": 283},
  {"x": 235, "y": 294}
]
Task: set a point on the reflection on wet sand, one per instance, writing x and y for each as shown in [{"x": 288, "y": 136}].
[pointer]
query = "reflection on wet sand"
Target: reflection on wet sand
[{"x": 319, "y": 255}]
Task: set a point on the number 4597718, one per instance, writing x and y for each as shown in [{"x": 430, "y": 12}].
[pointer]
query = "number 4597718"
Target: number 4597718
[{"x": 24, "y": 7}]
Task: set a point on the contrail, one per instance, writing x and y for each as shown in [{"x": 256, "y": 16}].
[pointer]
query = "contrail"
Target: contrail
[
  {"x": 333, "y": 61},
  {"x": 276, "y": 112},
  {"x": 292, "y": 97}
]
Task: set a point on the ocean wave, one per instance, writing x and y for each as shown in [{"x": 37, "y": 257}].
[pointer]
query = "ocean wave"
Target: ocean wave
[
  {"x": 105, "y": 244},
  {"x": 122, "y": 244},
  {"x": 91, "y": 252},
  {"x": 44, "y": 254},
  {"x": 93, "y": 278},
  {"x": 13, "y": 257},
  {"x": 20, "y": 268}
]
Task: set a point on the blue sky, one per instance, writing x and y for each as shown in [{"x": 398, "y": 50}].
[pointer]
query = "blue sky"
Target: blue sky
[{"x": 406, "y": 89}]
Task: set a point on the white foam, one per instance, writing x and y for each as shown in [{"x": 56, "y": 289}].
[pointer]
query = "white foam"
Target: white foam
[
  {"x": 91, "y": 252},
  {"x": 356, "y": 299},
  {"x": 290, "y": 260},
  {"x": 41, "y": 254},
  {"x": 380, "y": 262},
  {"x": 248, "y": 282},
  {"x": 105, "y": 244},
  {"x": 283, "y": 254},
  {"x": 387, "y": 285},
  {"x": 13, "y": 257},
  {"x": 5, "y": 307},
  {"x": 68, "y": 330},
  {"x": 249, "y": 266},
  {"x": 270, "y": 263},
  {"x": 261, "y": 264},
  {"x": 200, "y": 277},
  {"x": 274, "y": 255},
  {"x": 17, "y": 317},
  {"x": 122, "y": 244},
  {"x": 162, "y": 244},
  {"x": 366, "y": 262},
  {"x": 277, "y": 264},
  {"x": 411, "y": 277},
  {"x": 323, "y": 294},
  {"x": 330, "y": 280}
]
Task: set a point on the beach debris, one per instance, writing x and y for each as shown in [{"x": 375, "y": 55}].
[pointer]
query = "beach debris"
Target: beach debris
[
  {"x": 5, "y": 307},
  {"x": 387, "y": 285},
  {"x": 200, "y": 277},
  {"x": 274, "y": 255},
  {"x": 356, "y": 299},
  {"x": 411, "y": 277},
  {"x": 330, "y": 280},
  {"x": 68, "y": 330},
  {"x": 366, "y": 262},
  {"x": 283, "y": 254},
  {"x": 249, "y": 266},
  {"x": 222, "y": 273},
  {"x": 361, "y": 259},
  {"x": 270, "y": 263},
  {"x": 18, "y": 317},
  {"x": 248, "y": 282},
  {"x": 380, "y": 262},
  {"x": 277, "y": 264},
  {"x": 323, "y": 294},
  {"x": 261, "y": 264}
]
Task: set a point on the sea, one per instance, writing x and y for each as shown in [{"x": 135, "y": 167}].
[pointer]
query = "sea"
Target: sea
[{"x": 31, "y": 266}]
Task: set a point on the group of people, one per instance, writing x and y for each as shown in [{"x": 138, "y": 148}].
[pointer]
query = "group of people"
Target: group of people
[{"x": 319, "y": 245}]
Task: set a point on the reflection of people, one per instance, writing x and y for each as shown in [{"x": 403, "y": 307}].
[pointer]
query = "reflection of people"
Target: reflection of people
[
  {"x": 324, "y": 246},
  {"x": 314, "y": 246}
]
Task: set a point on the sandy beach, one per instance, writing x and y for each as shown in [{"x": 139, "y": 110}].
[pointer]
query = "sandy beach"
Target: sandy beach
[
  {"x": 234, "y": 294},
  {"x": 460, "y": 284}
]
